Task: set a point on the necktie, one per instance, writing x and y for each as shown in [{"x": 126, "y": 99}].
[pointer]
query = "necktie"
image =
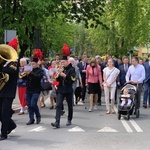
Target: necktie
[{"x": 125, "y": 67}]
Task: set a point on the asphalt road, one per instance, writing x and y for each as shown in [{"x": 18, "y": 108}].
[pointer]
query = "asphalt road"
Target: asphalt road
[{"x": 89, "y": 131}]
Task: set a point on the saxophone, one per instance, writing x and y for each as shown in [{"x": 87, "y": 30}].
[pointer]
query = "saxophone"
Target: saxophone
[{"x": 7, "y": 54}]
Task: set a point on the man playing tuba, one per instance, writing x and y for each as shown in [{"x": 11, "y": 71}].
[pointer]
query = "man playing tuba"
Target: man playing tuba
[{"x": 9, "y": 68}]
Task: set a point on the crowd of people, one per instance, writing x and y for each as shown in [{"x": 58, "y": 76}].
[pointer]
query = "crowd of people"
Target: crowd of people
[{"x": 66, "y": 74}]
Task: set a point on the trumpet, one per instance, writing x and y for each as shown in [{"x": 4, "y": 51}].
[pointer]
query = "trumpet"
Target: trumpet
[
  {"x": 21, "y": 75},
  {"x": 58, "y": 73}
]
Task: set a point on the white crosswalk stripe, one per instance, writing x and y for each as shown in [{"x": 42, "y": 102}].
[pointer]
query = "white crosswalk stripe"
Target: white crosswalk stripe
[
  {"x": 136, "y": 126},
  {"x": 126, "y": 124}
]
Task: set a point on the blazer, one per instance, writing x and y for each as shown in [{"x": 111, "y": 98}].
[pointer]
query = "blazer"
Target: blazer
[
  {"x": 122, "y": 75},
  {"x": 147, "y": 71},
  {"x": 81, "y": 67},
  {"x": 93, "y": 75}
]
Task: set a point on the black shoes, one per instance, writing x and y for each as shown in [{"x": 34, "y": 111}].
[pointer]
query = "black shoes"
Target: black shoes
[
  {"x": 30, "y": 122},
  {"x": 9, "y": 131},
  {"x": 68, "y": 123},
  {"x": 56, "y": 125},
  {"x": 3, "y": 138},
  {"x": 38, "y": 120},
  {"x": 51, "y": 107}
]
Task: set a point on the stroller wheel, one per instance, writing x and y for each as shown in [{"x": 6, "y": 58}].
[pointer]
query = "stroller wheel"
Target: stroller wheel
[
  {"x": 137, "y": 113},
  {"x": 119, "y": 116},
  {"x": 128, "y": 116}
]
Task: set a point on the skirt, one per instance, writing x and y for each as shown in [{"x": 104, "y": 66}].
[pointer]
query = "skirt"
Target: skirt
[{"x": 93, "y": 88}]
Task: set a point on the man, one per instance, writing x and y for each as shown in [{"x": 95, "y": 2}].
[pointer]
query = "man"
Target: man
[
  {"x": 82, "y": 67},
  {"x": 7, "y": 94},
  {"x": 123, "y": 70},
  {"x": 78, "y": 81},
  {"x": 136, "y": 75},
  {"x": 99, "y": 62},
  {"x": 65, "y": 90},
  {"x": 33, "y": 90},
  {"x": 108, "y": 56},
  {"x": 147, "y": 84}
]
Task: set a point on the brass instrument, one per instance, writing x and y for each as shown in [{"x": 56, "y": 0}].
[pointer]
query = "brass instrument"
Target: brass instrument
[
  {"x": 61, "y": 69},
  {"x": 7, "y": 54},
  {"x": 21, "y": 75}
]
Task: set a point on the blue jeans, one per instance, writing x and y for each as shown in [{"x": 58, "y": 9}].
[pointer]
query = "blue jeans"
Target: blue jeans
[
  {"x": 32, "y": 99},
  {"x": 146, "y": 94}
]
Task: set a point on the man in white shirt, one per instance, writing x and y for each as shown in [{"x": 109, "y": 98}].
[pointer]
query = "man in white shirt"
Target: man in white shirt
[{"x": 136, "y": 75}]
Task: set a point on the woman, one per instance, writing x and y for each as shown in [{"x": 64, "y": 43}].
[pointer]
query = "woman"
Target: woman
[
  {"x": 52, "y": 71},
  {"x": 22, "y": 85},
  {"x": 33, "y": 91},
  {"x": 110, "y": 74},
  {"x": 93, "y": 81}
]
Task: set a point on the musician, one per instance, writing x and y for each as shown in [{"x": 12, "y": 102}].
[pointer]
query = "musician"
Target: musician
[
  {"x": 7, "y": 94},
  {"x": 65, "y": 90},
  {"x": 33, "y": 90}
]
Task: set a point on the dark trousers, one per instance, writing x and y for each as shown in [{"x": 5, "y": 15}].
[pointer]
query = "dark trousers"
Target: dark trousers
[
  {"x": 138, "y": 95},
  {"x": 32, "y": 99},
  {"x": 5, "y": 116},
  {"x": 60, "y": 99},
  {"x": 83, "y": 89},
  {"x": 146, "y": 98}
]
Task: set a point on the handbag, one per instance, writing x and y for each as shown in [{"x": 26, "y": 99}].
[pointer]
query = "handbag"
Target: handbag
[{"x": 46, "y": 86}]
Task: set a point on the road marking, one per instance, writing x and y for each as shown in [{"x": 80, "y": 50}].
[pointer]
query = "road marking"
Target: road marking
[
  {"x": 38, "y": 129},
  {"x": 107, "y": 129},
  {"x": 76, "y": 129},
  {"x": 126, "y": 126},
  {"x": 135, "y": 125}
]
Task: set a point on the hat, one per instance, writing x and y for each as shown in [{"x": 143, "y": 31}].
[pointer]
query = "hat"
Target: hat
[
  {"x": 64, "y": 57},
  {"x": 35, "y": 59}
]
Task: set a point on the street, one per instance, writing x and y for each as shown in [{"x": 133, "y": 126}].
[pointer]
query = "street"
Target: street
[{"x": 89, "y": 131}]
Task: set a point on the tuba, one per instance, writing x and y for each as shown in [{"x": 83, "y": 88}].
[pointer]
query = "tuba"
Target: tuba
[{"x": 7, "y": 54}]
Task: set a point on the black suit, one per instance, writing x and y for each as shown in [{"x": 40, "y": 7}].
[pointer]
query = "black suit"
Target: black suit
[
  {"x": 122, "y": 75},
  {"x": 7, "y": 94},
  {"x": 83, "y": 76}
]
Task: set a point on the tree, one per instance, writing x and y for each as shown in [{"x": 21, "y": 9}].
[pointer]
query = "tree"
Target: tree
[{"x": 26, "y": 16}]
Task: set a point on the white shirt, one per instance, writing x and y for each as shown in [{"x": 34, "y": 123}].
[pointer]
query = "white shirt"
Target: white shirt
[
  {"x": 136, "y": 73},
  {"x": 110, "y": 75}
]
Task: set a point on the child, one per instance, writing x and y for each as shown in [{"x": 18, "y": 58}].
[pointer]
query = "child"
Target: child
[{"x": 125, "y": 99}]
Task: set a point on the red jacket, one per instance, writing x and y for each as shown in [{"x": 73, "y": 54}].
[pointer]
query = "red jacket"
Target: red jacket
[{"x": 93, "y": 75}]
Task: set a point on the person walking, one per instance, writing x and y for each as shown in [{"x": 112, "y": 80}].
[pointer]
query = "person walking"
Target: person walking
[
  {"x": 110, "y": 74},
  {"x": 8, "y": 70},
  {"x": 22, "y": 85},
  {"x": 146, "y": 99},
  {"x": 123, "y": 70},
  {"x": 136, "y": 75},
  {"x": 99, "y": 62},
  {"x": 66, "y": 77},
  {"x": 82, "y": 67},
  {"x": 33, "y": 91},
  {"x": 93, "y": 82}
]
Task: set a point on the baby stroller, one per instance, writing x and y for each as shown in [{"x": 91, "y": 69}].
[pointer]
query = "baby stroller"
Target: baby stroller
[{"x": 129, "y": 111}]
